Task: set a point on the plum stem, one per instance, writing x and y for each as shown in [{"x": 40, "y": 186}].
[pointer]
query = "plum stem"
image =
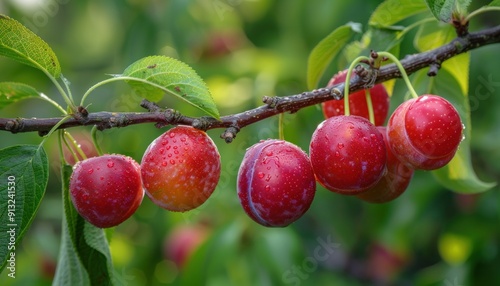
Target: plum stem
[
  {"x": 356, "y": 61},
  {"x": 369, "y": 104},
  {"x": 401, "y": 70}
]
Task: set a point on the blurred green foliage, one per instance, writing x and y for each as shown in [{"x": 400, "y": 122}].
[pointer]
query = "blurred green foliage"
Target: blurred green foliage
[{"x": 245, "y": 49}]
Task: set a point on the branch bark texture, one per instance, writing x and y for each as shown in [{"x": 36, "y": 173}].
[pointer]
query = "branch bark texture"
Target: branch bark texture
[{"x": 272, "y": 105}]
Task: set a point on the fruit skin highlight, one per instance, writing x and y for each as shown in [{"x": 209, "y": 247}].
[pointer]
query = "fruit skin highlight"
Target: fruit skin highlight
[
  {"x": 106, "y": 190},
  {"x": 348, "y": 154},
  {"x": 180, "y": 169},
  {"x": 357, "y": 101},
  {"x": 276, "y": 184},
  {"x": 425, "y": 132},
  {"x": 395, "y": 180}
]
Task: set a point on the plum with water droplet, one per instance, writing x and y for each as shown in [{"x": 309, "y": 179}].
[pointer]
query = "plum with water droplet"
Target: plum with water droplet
[
  {"x": 181, "y": 169},
  {"x": 425, "y": 132},
  {"x": 395, "y": 180},
  {"x": 276, "y": 184},
  {"x": 106, "y": 190},
  {"x": 348, "y": 154}
]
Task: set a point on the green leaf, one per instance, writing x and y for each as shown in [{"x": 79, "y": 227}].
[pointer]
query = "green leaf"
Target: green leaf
[
  {"x": 434, "y": 35},
  {"x": 444, "y": 9},
  {"x": 391, "y": 12},
  {"x": 324, "y": 52},
  {"x": 84, "y": 257},
  {"x": 11, "y": 92},
  {"x": 495, "y": 3},
  {"x": 19, "y": 43},
  {"x": 156, "y": 75},
  {"x": 459, "y": 174},
  {"x": 24, "y": 173}
]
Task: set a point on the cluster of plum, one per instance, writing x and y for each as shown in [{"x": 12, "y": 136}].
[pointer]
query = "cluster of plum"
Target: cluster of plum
[{"x": 276, "y": 181}]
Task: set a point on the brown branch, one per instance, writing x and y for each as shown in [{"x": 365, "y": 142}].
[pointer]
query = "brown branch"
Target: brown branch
[{"x": 273, "y": 105}]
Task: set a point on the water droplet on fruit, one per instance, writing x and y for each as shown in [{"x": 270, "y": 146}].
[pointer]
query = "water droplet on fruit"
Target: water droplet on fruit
[
  {"x": 164, "y": 142},
  {"x": 176, "y": 152},
  {"x": 373, "y": 136},
  {"x": 340, "y": 145},
  {"x": 162, "y": 151},
  {"x": 463, "y": 126},
  {"x": 260, "y": 175},
  {"x": 169, "y": 155},
  {"x": 365, "y": 139},
  {"x": 268, "y": 178},
  {"x": 172, "y": 162},
  {"x": 267, "y": 188},
  {"x": 269, "y": 153},
  {"x": 102, "y": 178},
  {"x": 164, "y": 163},
  {"x": 90, "y": 171},
  {"x": 183, "y": 139},
  {"x": 171, "y": 135},
  {"x": 337, "y": 154},
  {"x": 110, "y": 164},
  {"x": 463, "y": 138}
]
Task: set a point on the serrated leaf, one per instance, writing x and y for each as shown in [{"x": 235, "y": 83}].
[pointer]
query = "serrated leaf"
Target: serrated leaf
[
  {"x": 158, "y": 75},
  {"x": 24, "y": 173},
  {"x": 19, "y": 43},
  {"x": 391, "y": 12},
  {"x": 324, "y": 52},
  {"x": 444, "y": 9},
  {"x": 11, "y": 92},
  {"x": 84, "y": 257},
  {"x": 434, "y": 35}
]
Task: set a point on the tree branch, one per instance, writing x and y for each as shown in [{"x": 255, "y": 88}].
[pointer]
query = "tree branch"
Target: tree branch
[{"x": 272, "y": 105}]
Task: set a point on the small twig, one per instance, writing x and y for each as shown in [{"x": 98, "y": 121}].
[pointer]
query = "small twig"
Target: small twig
[{"x": 273, "y": 105}]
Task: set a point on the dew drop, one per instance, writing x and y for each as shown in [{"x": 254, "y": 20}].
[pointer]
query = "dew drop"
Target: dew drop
[
  {"x": 172, "y": 162},
  {"x": 171, "y": 135},
  {"x": 110, "y": 164},
  {"x": 260, "y": 175},
  {"x": 102, "y": 178},
  {"x": 269, "y": 153},
  {"x": 365, "y": 139},
  {"x": 463, "y": 126},
  {"x": 90, "y": 171},
  {"x": 267, "y": 188},
  {"x": 183, "y": 139},
  {"x": 164, "y": 142},
  {"x": 162, "y": 151},
  {"x": 169, "y": 155},
  {"x": 463, "y": 138},
  {"x": 268, "y": 178},
  {"x": 337, "y": 154},
  {"x": 164, "y": 163},
  {"x": 340, "y": 145},
  {"x": 373, "y": 136}
]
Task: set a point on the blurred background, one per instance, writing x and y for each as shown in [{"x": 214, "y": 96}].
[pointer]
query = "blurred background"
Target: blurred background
[{"x": 245, "y": 49}]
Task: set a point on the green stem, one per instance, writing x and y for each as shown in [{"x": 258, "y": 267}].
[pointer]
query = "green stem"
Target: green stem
[
  {"x": 482, "y": 10},
  {"x": 401, "y": 70},
  {"x": 369, "y": 104},
  {"x": 76, "y": 147},
  {"x": 280, "y": 127},
  {"x": 66, "y": 143},
  {"x": 94, "y": 141},
  {"x": 118, "y": 78},
  {"x": 356, "y": 61},
  {"x": 55, "y": 128},
  {"x": 66, "y": 84},
  {"x": 414, "y": 25},
  {"x": 63, "y": 93},
  {"x": 48, "y": 99}
]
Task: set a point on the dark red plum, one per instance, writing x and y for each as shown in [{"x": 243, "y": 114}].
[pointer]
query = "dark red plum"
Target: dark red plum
[{"x": 276, "y": 184}]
